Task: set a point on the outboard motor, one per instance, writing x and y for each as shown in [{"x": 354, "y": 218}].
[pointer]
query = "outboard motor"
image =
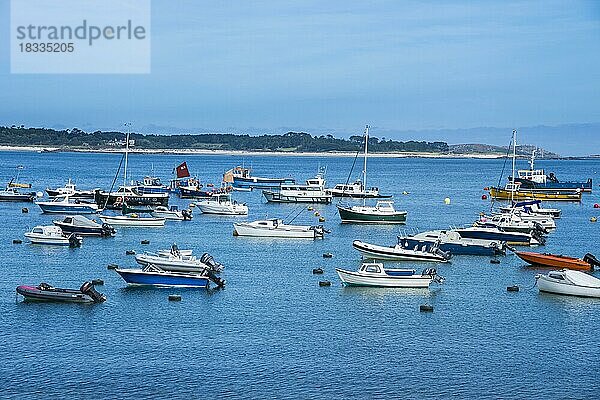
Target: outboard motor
[
  {"x": 88, "y": 289},
  {"x": 537, "y": 227},
  {"x": 211, "y": 263},
  {"x": 107, "y": 230},
  {"x": 187, "y": 214},
  {"x": 213, "y": 277},
  {"x": 539, "y": 237},
  {"x": 74, "y": 240},
  {"x": 591, "y": 259}
]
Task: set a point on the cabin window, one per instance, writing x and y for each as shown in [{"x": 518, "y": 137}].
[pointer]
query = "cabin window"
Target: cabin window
[
  {"x": 38, "y": 230},
  {"x": 372, "y": 268},
  {"x": 262, "y": 223},
  {"x": 557, "y": 276}
]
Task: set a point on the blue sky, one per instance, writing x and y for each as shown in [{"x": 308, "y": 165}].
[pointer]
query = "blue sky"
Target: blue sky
[{"x": 401, "y": 66}]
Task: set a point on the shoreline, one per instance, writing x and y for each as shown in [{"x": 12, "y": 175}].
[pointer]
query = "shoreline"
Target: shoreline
[{"x": 46, "y": 149}]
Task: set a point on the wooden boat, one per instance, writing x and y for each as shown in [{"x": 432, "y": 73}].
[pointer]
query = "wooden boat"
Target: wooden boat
[
  {"x": 83, "y": 226},
  {"x": 515, "y": 193},
  {"x": 376, "y": 275},
  {"x": 559, "y": 261},
  {"x": 52, "y": 235},
  {"x": 133, "y": 220},
  {"x": 401, "y": 253},
  {"x": 567, "y": 282},
  {"x": 276, "y": 228},
  {"x": 45, "y": 292}
]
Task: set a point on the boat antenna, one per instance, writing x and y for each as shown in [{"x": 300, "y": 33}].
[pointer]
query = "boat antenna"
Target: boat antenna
[
  {"x": 365, "y": 163},
  {"x": 127, "y": 125}
]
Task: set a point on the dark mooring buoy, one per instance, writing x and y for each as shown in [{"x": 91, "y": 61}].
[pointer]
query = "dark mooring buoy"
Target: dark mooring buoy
[
  {"x": 17, "y": 241},
  {"x": 327, "y": 255},
  {"x": 24, "y": 210},
  {"x": 97, "y": 282},
  {"x": 112, "y": 266},
  {"x": 494, "y": 261},
  {"x": 324, "y": 283},
  {"x": 130, "y": 252},
  {"x": 317, "y": 271},
  {"x": 425, "y": 308},
  {"x": 145, "y": 242},
  {"x": 174, "y": 297},
  {"x": 513, "y": 288}
]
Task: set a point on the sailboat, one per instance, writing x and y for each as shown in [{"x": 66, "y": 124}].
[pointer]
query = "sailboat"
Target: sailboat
[
  {"x": 382, "y": 213},
  {"x": 129, "y": 194}
]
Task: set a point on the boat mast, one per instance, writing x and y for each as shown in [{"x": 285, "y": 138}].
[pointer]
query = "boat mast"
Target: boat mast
[
  {"x": 365, "y": 163},
  {"x": 126, "y": 154},
  {"x": 512, "y": 192}
]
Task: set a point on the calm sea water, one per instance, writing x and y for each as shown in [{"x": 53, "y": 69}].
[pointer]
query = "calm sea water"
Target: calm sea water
[{"x": 273, "y": 332}]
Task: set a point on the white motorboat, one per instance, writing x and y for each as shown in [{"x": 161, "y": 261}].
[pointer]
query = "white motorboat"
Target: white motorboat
[
  {"x": 514, "y": 222},
  {"x": 313, "y": 192},
  {"x": 132, "y": 220},
  {"x": 376, "y": 275},
  {"x": 276, "y": 228},
  {"x": 569, "y": 282},
  {"x": 172, "y": 213},
  {"x": 401, "y": 253},
  {"x": 532, "y": 207},
  {"x": 52, "y": 235},
  {"x": 223, "y": 205},
  {"x": 175, "y": 261},
  {"x": 64, "y": 204},
  {"x": 84, "y": 226}
]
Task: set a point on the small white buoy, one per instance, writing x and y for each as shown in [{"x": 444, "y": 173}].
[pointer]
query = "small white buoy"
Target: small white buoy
[
  {"x": 405, "y": 192},
  {"x": 447, "y": 200}
]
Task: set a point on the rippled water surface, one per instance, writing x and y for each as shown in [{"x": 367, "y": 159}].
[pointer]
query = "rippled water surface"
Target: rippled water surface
[{"x": 273, "y": 332}]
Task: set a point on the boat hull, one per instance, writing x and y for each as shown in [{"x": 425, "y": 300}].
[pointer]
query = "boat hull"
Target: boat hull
[
  {"x": 53, "y": 241},
  {"x": 394, "y": 253},
  {"x": 48, "y": 208},
  {"x": 206, "y": 208},
  {"x": 162, "y": 279},
  {"x": 18, "y": 197},
  {"x": 126, "y": 221},
  {"x": 247, "y": 230},
  {"x": 549, "y": 286},
  {"x": 454, "y": 248},
  {"x": 502, "y": 194},
  {"x": 348, "y": 215},
  {"x": 555, "y": 186},
  {"x": 277, "y": 197},
  {"x": 553, "y": 261},
  {"x": 65, "y": 296},
  {"x": 350, "y": 278},
  {"x": 260, "y": 183}
]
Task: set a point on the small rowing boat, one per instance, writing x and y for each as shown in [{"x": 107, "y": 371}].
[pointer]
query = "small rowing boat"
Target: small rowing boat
[
  {"x": 567, "y": 282},
  {"x": 558, "y": 261}
]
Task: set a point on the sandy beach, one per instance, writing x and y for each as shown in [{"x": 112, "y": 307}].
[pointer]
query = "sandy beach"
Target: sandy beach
[{"x": 251, "y": 153}]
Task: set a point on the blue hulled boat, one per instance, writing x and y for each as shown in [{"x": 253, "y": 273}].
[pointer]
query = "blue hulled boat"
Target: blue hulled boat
[
  {"x": 152, "y": 275},
  {"x": 242, "y": 179},
  {"x": 453, "y": 242}
]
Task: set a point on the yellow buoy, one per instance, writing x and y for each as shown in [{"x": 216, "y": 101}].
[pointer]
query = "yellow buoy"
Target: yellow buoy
[
  {"x": 310, "y": 208},
  {"x": 405, "y": 192},
  {"x": 593, "y": 219},
  {"x": 447, "y": 200},
  {"x": 321, "y": 219},
  {"x": 316, "y": 214}
]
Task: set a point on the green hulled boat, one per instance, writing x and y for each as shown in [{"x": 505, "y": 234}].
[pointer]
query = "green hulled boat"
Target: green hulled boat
[{"x": 382, "y": 213}]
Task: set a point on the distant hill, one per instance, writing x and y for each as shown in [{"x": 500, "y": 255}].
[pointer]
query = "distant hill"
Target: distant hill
[{"x": 522, "y": 151}]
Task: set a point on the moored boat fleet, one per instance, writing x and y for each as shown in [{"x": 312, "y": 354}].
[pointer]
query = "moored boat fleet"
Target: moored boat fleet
[{"x": 524, "y": 221}]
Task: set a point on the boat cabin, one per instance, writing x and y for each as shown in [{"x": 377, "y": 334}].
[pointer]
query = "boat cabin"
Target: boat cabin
[
  {"x": 49, "y": 230},
  {"x": 537, "y": 176}
]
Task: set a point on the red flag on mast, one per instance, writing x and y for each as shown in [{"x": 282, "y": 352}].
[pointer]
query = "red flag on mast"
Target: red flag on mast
[{"x": 182, "y": 171}]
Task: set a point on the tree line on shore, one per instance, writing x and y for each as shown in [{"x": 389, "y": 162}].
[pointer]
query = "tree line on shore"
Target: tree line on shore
[{"x": 291, "y": 142}]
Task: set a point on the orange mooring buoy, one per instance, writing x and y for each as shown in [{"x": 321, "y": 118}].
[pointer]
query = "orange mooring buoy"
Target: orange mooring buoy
[{"x": 484, "y": 197}]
